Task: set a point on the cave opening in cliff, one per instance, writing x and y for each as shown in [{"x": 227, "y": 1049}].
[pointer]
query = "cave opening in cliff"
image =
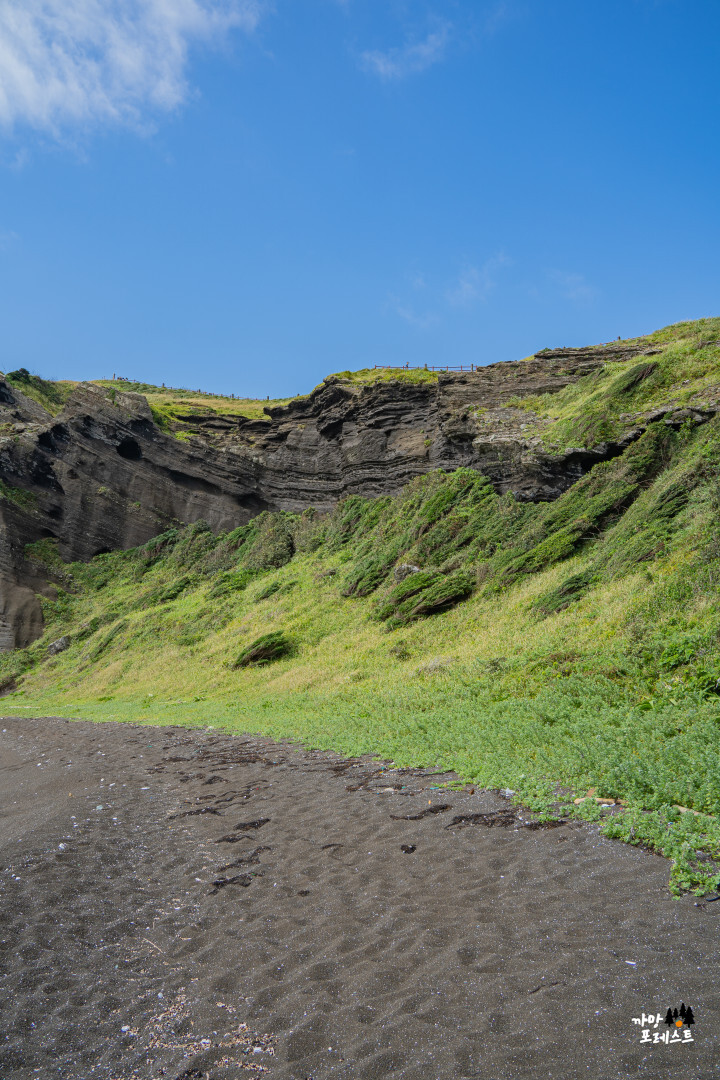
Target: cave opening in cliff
[{"x": 130, "y": 449}]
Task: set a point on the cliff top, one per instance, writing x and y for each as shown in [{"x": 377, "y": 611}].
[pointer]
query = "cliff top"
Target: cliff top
[
  {"x": 175, "y": 402},
  {"x": 173, "y": 405}
]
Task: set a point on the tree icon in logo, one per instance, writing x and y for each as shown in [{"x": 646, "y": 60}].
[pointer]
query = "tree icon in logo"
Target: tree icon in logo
[{"x": 678, "y": 1017}]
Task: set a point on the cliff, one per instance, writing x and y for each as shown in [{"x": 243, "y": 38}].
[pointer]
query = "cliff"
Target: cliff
[{"x": 102, "y": 474}]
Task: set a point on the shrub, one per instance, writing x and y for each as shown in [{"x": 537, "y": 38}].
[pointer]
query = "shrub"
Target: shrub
[
  {"x": 174, "y": 589},
  {"x": 264, "y": 650},
  {"x": 107, "y": 639},
  {"x": 272, "y": 545},
  {"x": 409, "y": 587},
  {"x": 634, "y": 377},
  {"x": 230, "y": 581},
  {"x": 423, "y": 594},
  {"x": 568, "y": 592},
  {"x": 274, "y": 587}
]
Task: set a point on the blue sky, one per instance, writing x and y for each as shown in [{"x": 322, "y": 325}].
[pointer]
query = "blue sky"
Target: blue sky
[{"x": 247, "y": 196}]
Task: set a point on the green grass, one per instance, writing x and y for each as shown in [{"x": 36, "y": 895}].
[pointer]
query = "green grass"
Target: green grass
[
  {"x": 168, "y": 404},
  {"x": 181, "y": 405},
  {"x": 600, "y": 407},
  {"x": 51, "y": 395},
  {"x": 551, "y": 648},
  {"x": 21, "y": 498},
  {"x": 367, "y": 376},
  {"x": 265, "y": 650}
]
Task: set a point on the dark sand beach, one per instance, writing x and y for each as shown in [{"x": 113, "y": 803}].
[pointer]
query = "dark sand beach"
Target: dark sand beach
[{"x": 187, "y": 904}]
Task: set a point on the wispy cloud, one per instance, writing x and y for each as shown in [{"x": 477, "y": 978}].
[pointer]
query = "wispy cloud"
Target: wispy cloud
[
  {"x": 497, "y": 16},
  {"x": 409, "y": 58},
  {"x": 474, "y": 284},
  {"x": 421, "y": 320},
  {"x": 430, "y": 304},
  {"x": 84, "y": 63},
  {"x": 573, "y": 287}
]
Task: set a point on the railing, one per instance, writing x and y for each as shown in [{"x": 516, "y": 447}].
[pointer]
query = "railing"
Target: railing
[
  {"x": 175, "y": 389},
  {"x": 424, "y": 367}
]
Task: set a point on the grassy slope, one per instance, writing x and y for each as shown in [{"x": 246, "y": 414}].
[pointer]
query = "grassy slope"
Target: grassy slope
[
  {"x": 587, "y": 654},
  {"x": 51, "y": 395},
  {"x": 168, "y": 403},
  {"x": 180, "y": 405},
  {"x": 600, "y": 407}
]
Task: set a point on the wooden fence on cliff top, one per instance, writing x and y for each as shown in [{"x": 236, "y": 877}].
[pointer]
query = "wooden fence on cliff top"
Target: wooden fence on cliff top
[{"x": 425, "y": 367}]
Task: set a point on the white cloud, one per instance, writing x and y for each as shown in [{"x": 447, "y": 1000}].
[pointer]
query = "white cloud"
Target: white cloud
[
  {"x": 431, "y": 302},
  {"x": 573, "y": 286},
  {"x": 407, "y": 59},
  {"x": 420, "y": 320},
  {"x": 472, "y": 286},
  {"x": 497, "y": 16},
  {"x": 475, "y": 283},
  {"x": 97, "y": 62}
]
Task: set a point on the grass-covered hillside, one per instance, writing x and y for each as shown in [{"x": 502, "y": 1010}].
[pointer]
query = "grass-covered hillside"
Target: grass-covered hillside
[
  {"x": 172, "y": 407},
  {"x": 563, "y": 650},
  {"x": 685, "y": 371}
]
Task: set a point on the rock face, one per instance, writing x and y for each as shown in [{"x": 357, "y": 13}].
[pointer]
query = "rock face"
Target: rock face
[
  {"x": 102, "y": 475},
  {"x": 98, "y": 476},
  {"x": 346, "y": 438}
]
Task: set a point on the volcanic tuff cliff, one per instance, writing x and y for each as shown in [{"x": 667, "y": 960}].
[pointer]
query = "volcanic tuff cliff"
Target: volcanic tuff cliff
[{"x": 101, "y": 474}]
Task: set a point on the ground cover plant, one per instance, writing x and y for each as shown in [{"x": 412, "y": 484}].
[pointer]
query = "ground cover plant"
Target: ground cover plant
[
  {"x": 366, "y": 376},
  {"x": 171, "y": 407},
  {"x": 567, "y": 651},
  {"x": 51, "y": 395},
  {"x": 600, "y": 407}
]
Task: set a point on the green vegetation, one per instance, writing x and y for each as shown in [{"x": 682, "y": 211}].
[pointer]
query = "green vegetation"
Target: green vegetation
[
  {"x": 387, "y": 374},
  {"x": 265, "y": 649},
  {"x": 46, "y": 553},
  {"x": 51, "y": 395},
  {"x": 563, "y": 650},
  {"x": 600, "y": 407},
  {"x": 24, "y": 499},
  {"x": 168, "y": 404}
]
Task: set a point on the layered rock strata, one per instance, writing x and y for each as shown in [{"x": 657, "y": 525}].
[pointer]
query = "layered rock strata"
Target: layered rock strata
[{"x": 102, "y": 475}]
